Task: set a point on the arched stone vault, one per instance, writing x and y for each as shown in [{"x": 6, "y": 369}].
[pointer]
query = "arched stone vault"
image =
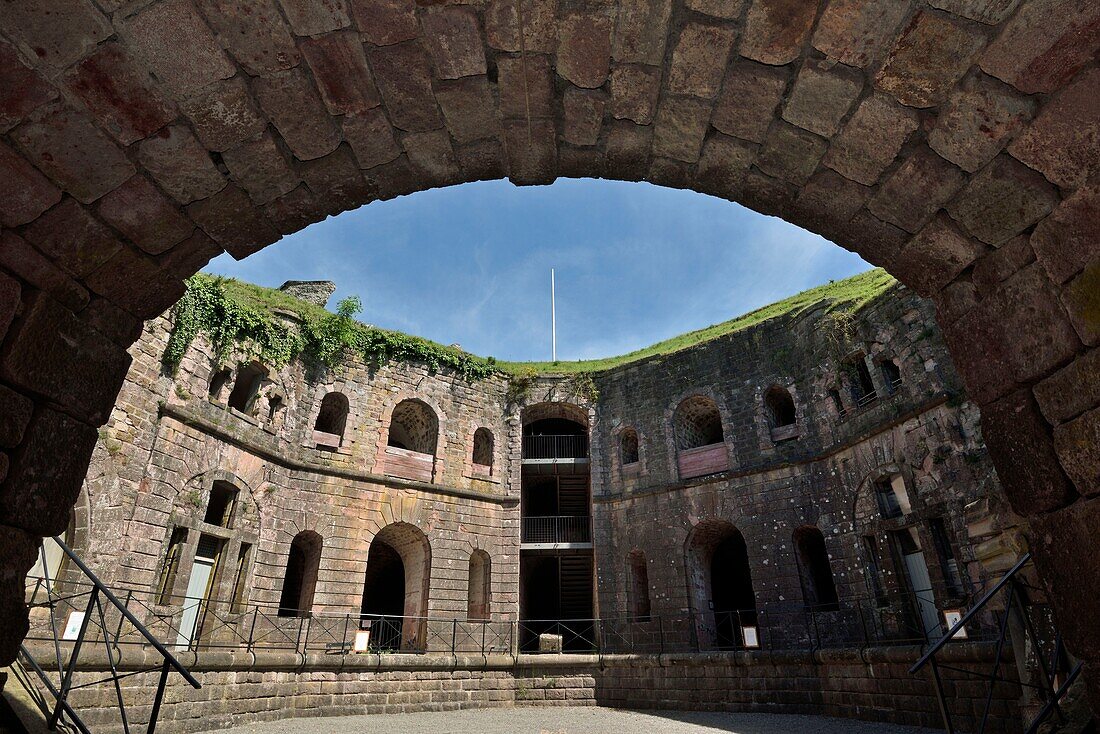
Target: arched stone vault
[{"x": 953, "y": 142}]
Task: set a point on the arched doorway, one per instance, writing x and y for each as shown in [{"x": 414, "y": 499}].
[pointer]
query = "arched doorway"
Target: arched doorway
[
  {"x": 395, "y": 588},
  {"x": 720, "y": 591}
]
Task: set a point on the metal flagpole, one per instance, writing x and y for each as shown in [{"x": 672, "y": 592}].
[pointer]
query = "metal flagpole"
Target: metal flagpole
[{"x": 553, "y": 320}]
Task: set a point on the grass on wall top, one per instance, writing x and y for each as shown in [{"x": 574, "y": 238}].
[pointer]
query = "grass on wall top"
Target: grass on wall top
[{"x": 326, "y": 331}]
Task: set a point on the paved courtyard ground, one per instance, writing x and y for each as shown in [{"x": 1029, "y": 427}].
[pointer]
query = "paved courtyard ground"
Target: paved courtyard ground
[{"x": 578, "y": 720}]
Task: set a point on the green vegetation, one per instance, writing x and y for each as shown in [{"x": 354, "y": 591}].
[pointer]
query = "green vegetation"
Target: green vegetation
[{"x": 231, "y": 312}]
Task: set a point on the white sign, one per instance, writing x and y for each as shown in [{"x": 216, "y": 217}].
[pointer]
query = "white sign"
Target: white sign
[
  {"x": 362, "y": 640},
  {"x": 952, "y": 617},
  {"x": 749, "y": 635},
  {"x": 72, "y": 626}
]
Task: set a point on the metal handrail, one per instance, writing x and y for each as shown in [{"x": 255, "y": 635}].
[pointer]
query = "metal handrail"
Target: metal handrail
[
  {"x": 556, "y": 529},
  {"x": 552, "y": 446}
]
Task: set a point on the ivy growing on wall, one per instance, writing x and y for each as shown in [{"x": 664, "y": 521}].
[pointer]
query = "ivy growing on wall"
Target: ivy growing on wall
[{"x": 231, "y": 320}]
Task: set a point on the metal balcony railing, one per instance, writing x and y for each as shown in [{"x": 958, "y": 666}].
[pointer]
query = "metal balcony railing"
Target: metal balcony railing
[
  {"x": 555, "y": 447},
  {"x": 557, "y": 529}
]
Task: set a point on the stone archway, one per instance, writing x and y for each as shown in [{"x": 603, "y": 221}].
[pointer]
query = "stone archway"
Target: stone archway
[{"x": 953, "y": 143}]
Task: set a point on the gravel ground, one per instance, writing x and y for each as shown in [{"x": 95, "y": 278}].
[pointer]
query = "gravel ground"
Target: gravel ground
[{"x": 567, "y": 720}]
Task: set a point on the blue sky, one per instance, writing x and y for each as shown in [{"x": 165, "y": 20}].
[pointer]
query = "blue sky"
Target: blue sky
[{"x": 635, "y": 264}]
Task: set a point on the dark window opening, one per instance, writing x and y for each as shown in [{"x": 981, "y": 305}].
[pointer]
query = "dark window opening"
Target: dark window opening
[
  {"x": 837, "y": 402},
  {"x": 218, "y": 382},
  {"x": 780, "y": 407},
  {"x": 818, "y": 585},
  {"x": 628, "y": 447},
  {"x": 478, "y": 586},
  {"x": 170, "y": 568},
  {"x": 413, "y": 427},
  {"x": 483, "y": 447},
  {"x": 859, "y": 381},
  {"x": 247, "y": 387},
  {"x": 223, "y": 499},
  {"x": 273, "y": 407},
  {"x": 384, "y": 596},
  {"x": 240, "y": 579},
  {"x": 892, "y": 497},
  {"x": 639, "y": 586},
  {"x": 874, "y": 570},
  {"x": 697, "y": 423},
  {"x": 891, "y": 375},
  {"x": 555, "y": 438},
  {"x": 300, "y": 580},
  {"x": 948, "y": 564},
  {"x": 731, "y": 591},
  {"x": 332, "y": 419}
]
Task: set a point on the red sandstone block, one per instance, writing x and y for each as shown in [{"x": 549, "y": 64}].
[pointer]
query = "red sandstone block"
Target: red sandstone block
[
  {"x": 404, "y": 77},
  {"x": 230, "y": 219},
  {"x": 336, "y": 181},
  {"x": 371, "y": 138},
  {"x": 1081, "y": 298},
  {"x": 24, "y": 191},
  {"x": 453, "y": 39},
  {"x": 253, "y": 32},
  {"x": 670, "y": 173},
  {"x": 260, "y": 168},
  {"x": 990, "y": 12},
  {"x": 180, "y": 164},
  {"x": 295, "y": 109},
  {"x": 74, "y": 153},
  {"x": 224, "y": 115},
  {"x": 1001, "y": 264},
  {"x": 10, "y": 291},
  {"x": 112, "y": 322},
  {"x": 1078, "y": 447},
  {"x": 583, "y": 116},
  {"x": 828, "y": 199},
  {"x": 526, "y": 87},
  {"x": 468, "y": 107},
  {"x": 932, "y": 54},
  {"x": 1070, "y": 236},
  {"x": 916, "y": 190},
  {"x": 54, "y": 34},
  {"x": 775, "y": 30},
  {"x": 750, "y": 94},
  {"x": 634, "y": 91},
  {"x": 22, "y": 89},
  {"x": 859, "y": 32},
  {"x": 1045, "y": 44},
  {"x": 725, "y": 9},
  {"x": 385, "y": 22},
  {"x": 699, "y": 59},
  {"x": 641, "y": 30},
  {"x": 584, "y": 47},
  {"x": 936, "y": 255},
  {"x": 532, "y": 151},
  {"x": 628, "y": 148},
  {"x": 145, "y": 216},
  {"x": 791, "y": 154},
  {"x": 120, "y": 94},
  {"x": 871, "y": 139},
  {"x": 1072, "y": 390},
  {"x": 339, "y": 66},
  {"x": 313, "y": 17},
  {"x": 15, "y": 414},
  {"x": 77, "y": 242},
  {"x": 1003, "y": 200},
  {"x": 133, "y": 282},
  {"x": 978, "y": 119},
  {"x": 679, "y": 128},
  {"x": 483, "y": 160},
  {"x": 821, "y": 96},
  {"x": 196, "y": 60},
  {"x": 29, "y": 264}
]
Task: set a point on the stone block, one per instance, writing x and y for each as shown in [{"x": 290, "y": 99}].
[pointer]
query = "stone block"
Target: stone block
[
  {"x": 340, "y": 69},
  {"x": 229, "y": 219},
  {"x": 526, "y": 87},
  {"x": 46, "y": 347},
  {"x": 1069, "y": 237},
  {"x": 336, "y": 181},
  {"x": 133, "y": 282},
  {"x": 24, "y": 191},
  {"x": 224, "y": 116},
  {"x": 1044, "y": 45},
  {"x": 260, "y": 168},
  {"x": 1081, "y": 298},
  {"x": 432, "y": 154},
  {"x": 371, "y": 138},
  {"x": 253, "y": 32},
  {"x": 750, "y": 94},
  {"x": 71, "y": 150},
  {"x": 29, "y": 264},
  {"x": 699, "y": 58},
  {"x": 1003, "y": 200},
  {"x": 936, "y": 255},
  {"x": 767, "y": 195},
  {"x": 859, "y": 32},
  {"x": 502, "y": 24},
  {"x": 295, "y": 211},
  {"x": 583, "y": 116},
  {"x": 871, "y": 139},
  {"x": 723, "y": 165},
  {"x": 1072, "y": 390},
  {"x": 77, "y": 242},
  {"x": 679, "y": 128},
  {"x": 396, "y": 178},
  {"x": 634, "y": 91},
  {"x": 181, "y": 166},
  {"x": 15, "y": 414},
  {"x": 821, "y": 97},
  {"x": 385, "y": 22},
  {"x": 531, "y": 148},
  {"x": 669, "y": 173},
  {"x": 55, "y": 35},
  {"x": 314, "y": 17},
  {"x": 916, "y": 190},
  {"x": 1078, "y": 446},
  {"x": 641, "y": 31},
  {"x": 482, "y": 160},
  {"x": 10, "y": 292},
  {"x": 978, "y": 120},
  {"x": 22, "y": 89},
  {"x": 628, "y": 147},
  {"x": 404, "y": 77},
  {"x": 932, "y": 54},
  {"x": 454, "y": 41},
  {"x": 196, "y": 60},
  {"x": 724, "y": 9},
  {"x": 997, "y": 266},
  {"x": 189, "y": 256},
  {"x": 468, "y": 107},
  {"x": 584, "y": 48},
  {"x": 144, "y": 215},
  {"x": 1061, "y": 142},
  {"x": 791, "y": 154},
  {"x": 776, "y": 30},
  {"x": 112, "y": 322},
  {"x": 294, "y": 107},
  {"x": 827, "y": 201},
  {"x": 990, "y": 12}
]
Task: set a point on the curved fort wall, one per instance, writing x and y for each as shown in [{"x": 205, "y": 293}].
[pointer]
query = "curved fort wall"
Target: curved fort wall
[{"x": 781, "y": 472}]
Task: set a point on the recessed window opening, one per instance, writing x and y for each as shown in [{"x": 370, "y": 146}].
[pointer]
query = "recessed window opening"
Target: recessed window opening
[
  {"x": 952, "y": 575},
  {"x": 240, "y": 579},
  {"x": 874, "y": 570},
  {"x": 859, "y": 381},
  {"x": 169, "y": 569},
  {"x": 300, "y": 579},
  {"x": 818, "y": 585},
  {"x": 332, "y": 419},
  {"x": 837, "y": 402},
  {"x": 478, "y": 586},
  {"x": 483, "y": 448},
  {"x": 274, "y": 405},
  {"x": 218, "y": 382},
  {"x": 247, "y": 387},
  {"x": 639, "y": 586},
  {"x": 892, "y": 497},
  {"x": 628, "y": 447},
  {"x": 891, "y": 375},
  {"x": 414, "y": 427},
  {"x": 780, "y": 407},
  {"x": 223, "y": 499},
  {"x": 697, "y": 423}
]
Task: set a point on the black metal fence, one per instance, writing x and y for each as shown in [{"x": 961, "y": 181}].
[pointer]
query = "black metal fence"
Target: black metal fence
[{"x": 555, "y": 447}]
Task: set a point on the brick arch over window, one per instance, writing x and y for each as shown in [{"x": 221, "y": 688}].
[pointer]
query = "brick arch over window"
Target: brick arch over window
[
  {"x": 780, "y": 406},
  {"x": 696, "y": 422},
  {"x": 955, "y": 149}
]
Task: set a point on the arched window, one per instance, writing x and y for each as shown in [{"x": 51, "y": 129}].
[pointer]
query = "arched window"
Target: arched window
[
  {"x": 628, "y": 446},
  {"x": 218, "y": 382},
  {"x": 414, "y": 427},
  {"x": 696, "y": 423},
  {"x": 891, "y": 375},
  {"x": 478, "y": 590},
  {"x": 720, "y": 583},
  {"x": 395, "y": 588},
  {"x": 483, "y": 451},
  {"x": 247, "y": 387},
  {"x": 332, "y": 418},
  {"x": 818, "y": 587},
  {"x": 639, "y": 585},
  {"x": 780, "y": 406},
  {"x": 300, "y": 580}
]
